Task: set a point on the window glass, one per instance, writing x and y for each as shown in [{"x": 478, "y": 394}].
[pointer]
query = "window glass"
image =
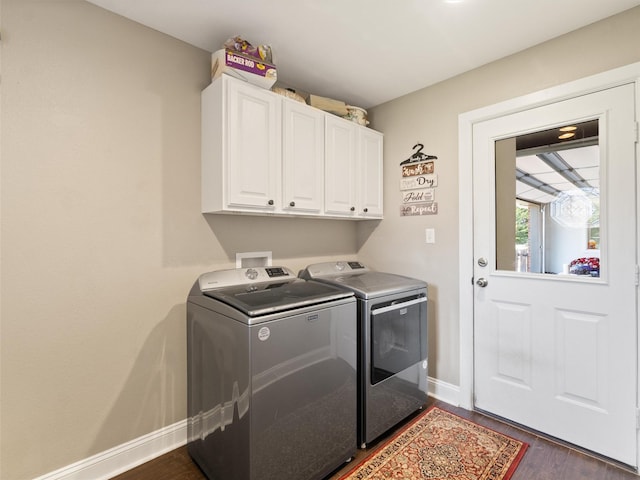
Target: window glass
[{"x": 548, "y": 201}]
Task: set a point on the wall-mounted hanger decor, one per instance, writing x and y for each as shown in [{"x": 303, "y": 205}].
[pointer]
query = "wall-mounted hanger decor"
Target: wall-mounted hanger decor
[
  {"x": 418, "y": 156},
  {"x": 417, "y": 184}
]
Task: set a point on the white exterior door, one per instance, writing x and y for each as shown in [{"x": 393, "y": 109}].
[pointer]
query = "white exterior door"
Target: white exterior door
[{"x": 556, "y": 351}]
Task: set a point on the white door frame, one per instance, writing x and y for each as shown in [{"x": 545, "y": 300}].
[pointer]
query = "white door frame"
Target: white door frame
[{"x": 612, "y": 78}]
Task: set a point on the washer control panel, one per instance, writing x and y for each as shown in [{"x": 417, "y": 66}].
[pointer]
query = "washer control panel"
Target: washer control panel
[
  {"x": 356, "y": 265},
  {"x": 334, "y": 268},
  {"x": 243, "y": 276},
  {"x": 276, "y": 272}
]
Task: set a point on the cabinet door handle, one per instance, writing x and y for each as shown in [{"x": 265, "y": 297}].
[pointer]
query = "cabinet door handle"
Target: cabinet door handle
[
  {"x": 270, "y": 202},
  {"x": 292, "y": 204},
  {"x": 366, "y": 210},
  {"x": 353, "y": 209}
]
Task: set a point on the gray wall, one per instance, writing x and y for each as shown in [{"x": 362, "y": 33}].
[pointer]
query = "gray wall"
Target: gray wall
[
  {"x": 101, "y": 235},
  {"x": 101, "y": 232},
  {"x": 430, "y": 116}
]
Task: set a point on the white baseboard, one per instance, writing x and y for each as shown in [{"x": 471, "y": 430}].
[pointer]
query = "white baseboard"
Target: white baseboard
[
  {"x": 444, "y": 391},
  {"x": 126, "y": 456}
]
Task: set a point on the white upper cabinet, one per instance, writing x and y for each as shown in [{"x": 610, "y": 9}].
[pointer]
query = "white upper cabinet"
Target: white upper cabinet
[
  {"x": 370, "y": 172},
  {"x": 263, "y": 153},
  {"x": 340, "y": 167},
  {"x": 241, "y": 130},
  {"x": 302, "y": 158},
  {"x": 353, "y": 170}
]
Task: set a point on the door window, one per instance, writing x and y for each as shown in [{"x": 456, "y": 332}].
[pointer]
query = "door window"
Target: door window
[{"x": 548, "y": 201}]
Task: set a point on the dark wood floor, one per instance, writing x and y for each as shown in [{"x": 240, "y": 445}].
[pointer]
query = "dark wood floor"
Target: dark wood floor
[{"x": 544, "y": 460}]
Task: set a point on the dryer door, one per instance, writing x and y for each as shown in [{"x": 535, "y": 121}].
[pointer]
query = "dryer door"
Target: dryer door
[
  {"x": 394, "y": 373},
  {"x": 397, "y": 333}
]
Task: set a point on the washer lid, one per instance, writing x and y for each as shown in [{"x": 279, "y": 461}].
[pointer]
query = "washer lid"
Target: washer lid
[
  {"x": 374, "y": 284},
  {"x": 264, "y": 298},
  {"x": 364, "y": 282}
]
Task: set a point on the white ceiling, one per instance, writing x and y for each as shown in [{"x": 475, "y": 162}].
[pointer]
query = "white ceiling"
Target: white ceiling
[
  {"x": 584, "y": 161},
  {"x": 366, "y": 52}
]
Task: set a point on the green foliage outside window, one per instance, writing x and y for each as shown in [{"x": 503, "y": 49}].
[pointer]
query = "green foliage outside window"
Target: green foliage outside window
[{"x": 522, "y": 225}]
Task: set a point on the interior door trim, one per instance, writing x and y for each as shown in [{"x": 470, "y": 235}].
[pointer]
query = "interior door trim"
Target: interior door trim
[{"x": 620, "y": 76}]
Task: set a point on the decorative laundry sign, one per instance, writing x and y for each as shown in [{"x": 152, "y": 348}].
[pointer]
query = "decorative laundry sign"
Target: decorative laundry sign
[
  {"x": 412, "y": 209},
  {"x": 417, "y": 196},
  {"x": 421, "y": 168},
  {"x": 421, "y": 181},
  {"x": 417, "y": 184}
]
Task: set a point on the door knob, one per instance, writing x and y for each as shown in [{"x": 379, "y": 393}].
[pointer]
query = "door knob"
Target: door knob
[{"x": 482, "y": 282}]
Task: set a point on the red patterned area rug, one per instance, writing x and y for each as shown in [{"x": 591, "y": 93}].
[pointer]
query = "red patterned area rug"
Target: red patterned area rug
[{"x": 439, "y": 445}]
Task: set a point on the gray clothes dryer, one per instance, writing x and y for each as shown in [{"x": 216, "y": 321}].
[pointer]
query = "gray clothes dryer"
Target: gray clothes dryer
[
  {"x": 392, "y": 342},
  {"x": 271, "y": 375}
]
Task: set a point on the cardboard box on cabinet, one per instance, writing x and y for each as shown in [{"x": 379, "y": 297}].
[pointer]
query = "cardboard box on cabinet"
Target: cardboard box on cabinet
[{"x": 243, "y": 67}]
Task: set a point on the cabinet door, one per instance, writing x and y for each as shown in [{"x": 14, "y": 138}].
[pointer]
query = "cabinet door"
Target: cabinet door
[
  {"x": 253, "y": 147},
  {"x": 340, "y": 166},
  {"x": 370, "y": 170},
  {"x": 302, "y": 158}
]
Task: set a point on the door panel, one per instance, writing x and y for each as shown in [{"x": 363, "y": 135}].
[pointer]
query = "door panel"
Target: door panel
[
  {"x": 513, "y": 343},
  {"x": 556, "y": 350},
  {"x": 581, "y": 358}
]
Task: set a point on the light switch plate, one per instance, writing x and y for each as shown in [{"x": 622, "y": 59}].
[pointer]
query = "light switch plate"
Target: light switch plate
[{"x": 430, "y": 235}]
